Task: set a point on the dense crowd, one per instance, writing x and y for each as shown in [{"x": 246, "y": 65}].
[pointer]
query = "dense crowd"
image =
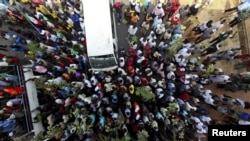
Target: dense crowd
[{"x": 158, "y": 91}]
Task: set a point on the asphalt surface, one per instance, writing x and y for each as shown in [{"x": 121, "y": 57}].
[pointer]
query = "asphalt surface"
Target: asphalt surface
[
  {"x": 10, "y": 52},
  {"x": 122, "y": 29}
]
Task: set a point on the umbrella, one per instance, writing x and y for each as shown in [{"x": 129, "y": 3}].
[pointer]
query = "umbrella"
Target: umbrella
[{"x": 13, "y": 90}]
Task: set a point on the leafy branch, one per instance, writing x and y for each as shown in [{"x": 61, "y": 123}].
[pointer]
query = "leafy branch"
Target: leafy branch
[{"x": 145, "y": 93}]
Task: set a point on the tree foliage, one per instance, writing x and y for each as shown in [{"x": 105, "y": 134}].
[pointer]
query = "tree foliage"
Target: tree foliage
[
  {"x": 173, "y": 49},
  {"x": 145, "y": 93}
]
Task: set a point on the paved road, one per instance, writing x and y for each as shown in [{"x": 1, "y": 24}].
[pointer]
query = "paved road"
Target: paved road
[
  {"x": 122, "y": 29},
  {"x": 7, "y": 42}
]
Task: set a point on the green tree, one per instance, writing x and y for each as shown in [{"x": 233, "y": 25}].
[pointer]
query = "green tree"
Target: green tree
[
  {"x": 142, "y": 135},
  {"x": 33, "y": 49},
  {"x": 173, "y": 49},
  {"x": 38, "y": 137},
  {"x": 145, "y": 93},
  {"x": 172, "y": 107}
]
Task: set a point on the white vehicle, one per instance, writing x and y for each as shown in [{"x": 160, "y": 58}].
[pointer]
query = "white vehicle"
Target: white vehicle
[{"x": 100, "y": 35}]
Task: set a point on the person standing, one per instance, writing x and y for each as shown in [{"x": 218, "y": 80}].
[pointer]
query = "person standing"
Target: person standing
[
  {"x": 241, "y": 16},
  {"x": 212, "y": 49},
  {"x": 185, "y": 52},
  {"x": 243, "y": 6},
  {"x": 184, "y": 12},
  {"x": 219, "y": 24},
  {"x": 203, "y": 26},
  {"x": 157, "y": 20},
  {"x": 127, "y": 14},
  {"x": 173, "y": 9},
  {"x": 158, "y": 11},
  {"x": 132, "y": 30},
  {"x": 145, "y": 27},
  {"x": 159, "y": 30},
  {"x": 207, "y": 34},
  {"x": 132, "y": 3},
  {"x": 138, "y": 8},
  {"x": 194, "y": 9},
  {"x": 222, "y": 36},
  {"x": 134, "y": 18},
  {"x": 117, "y": 8}
]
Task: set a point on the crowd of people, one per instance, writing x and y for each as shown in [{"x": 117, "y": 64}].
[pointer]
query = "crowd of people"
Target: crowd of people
[{"x": 157, "y": 93}]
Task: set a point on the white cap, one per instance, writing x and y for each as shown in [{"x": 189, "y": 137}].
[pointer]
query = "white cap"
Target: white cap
[
  {"x": 115, "y": 115},
  {"x": 59, "y": 101},
  {"x": 9, "y": 104},
  {"x": 197, "y": 5},
  {"x": 11, "y": 134},
  {"x": 137, "y": 108},
  {"x": 159, "y": 5},
  {"x": 137, "y": 117}
]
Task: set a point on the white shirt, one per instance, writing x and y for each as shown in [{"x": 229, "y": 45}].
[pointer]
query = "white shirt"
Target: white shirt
[
  {"x": 209, "y": 101},
  {"x": 171, "y": 75},
  {"x": 160, "y": 29},
  {"x": 143, "y": 43},
  {"x": 163, "y": 45},
  {"x": 217, "y": 25},
  {"x": 138, "y": 7},
  {"x": 184, "y": 52},
  {"x": 133, "y": 2},
  {"x": 195, "y": 119},
  {"x": 151, "y": 43},
  {"x": 203, "y": 26},
  {"x": 182, "y": 63},
  {"x": 156, "y": 21},
  {"x": 205, "y": 119},
  {"x": 131, "y": 30},
  {"x": 219, "y": 78},
  {"x": 151, "y": 35}
]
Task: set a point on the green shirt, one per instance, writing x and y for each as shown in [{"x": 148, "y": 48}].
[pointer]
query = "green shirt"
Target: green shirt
[{"x": 225, "y": 35}]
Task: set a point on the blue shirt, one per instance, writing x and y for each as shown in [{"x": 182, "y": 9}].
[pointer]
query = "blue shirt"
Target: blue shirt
[{"x": 244, "y": 6}]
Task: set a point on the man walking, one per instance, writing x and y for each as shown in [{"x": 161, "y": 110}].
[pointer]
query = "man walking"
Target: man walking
[{"x": 222, "y": 36}]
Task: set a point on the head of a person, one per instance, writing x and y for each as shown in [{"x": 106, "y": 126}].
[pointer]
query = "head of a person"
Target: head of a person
[
  {"x": 223, "y": 21},
  {"x": 209, "y": 23},
  {"x": 219, "y": 45},
  {"x": 159, "y": 5},
  {"x": 186, "y": 7}
]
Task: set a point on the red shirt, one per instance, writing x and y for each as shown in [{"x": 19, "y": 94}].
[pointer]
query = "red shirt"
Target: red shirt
[
  {"x": 2, "y": 56},
  {"x": 14, "y": 60},
  {"x": 175, "y": 20}
]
